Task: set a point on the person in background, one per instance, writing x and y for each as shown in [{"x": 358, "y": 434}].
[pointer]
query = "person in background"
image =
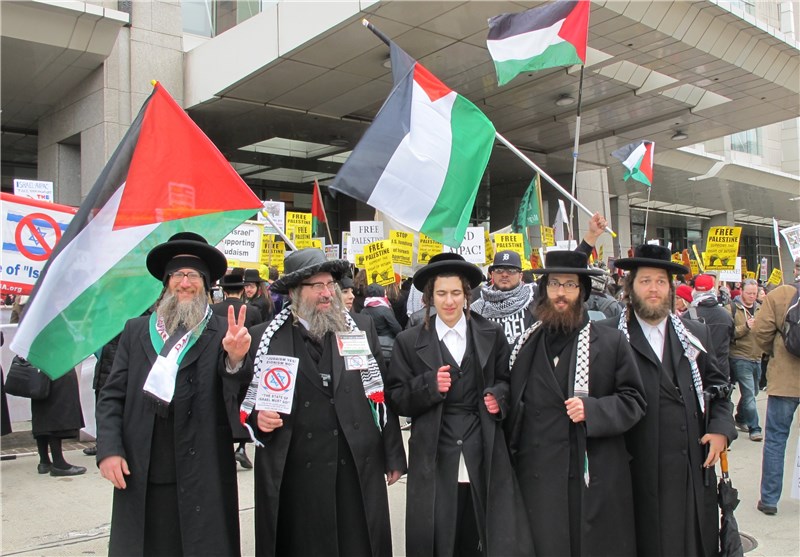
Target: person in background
[
  {"x": 745, "y": 356},
  {"x": 683, "y": 299},
  {"x": 255, "y": 295},
  {"x": 717, "y": 318},
  {"x": 346, "y": 288},
  {"x": 277, "y": 299}
]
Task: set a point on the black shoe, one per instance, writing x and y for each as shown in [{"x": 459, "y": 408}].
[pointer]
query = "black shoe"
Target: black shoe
[
  {"x": 241, "y": 457},
  {"x": 767, "y": 509},
  {"x": 71, "y": 471},
  {"x": 44, "y": 467},
  {"x": 90, "y": 451}
]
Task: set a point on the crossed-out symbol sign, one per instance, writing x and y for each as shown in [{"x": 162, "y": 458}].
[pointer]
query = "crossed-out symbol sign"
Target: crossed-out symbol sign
[
  {"x": 277, "y": 379},
  {"x": 29, "y": 228}
]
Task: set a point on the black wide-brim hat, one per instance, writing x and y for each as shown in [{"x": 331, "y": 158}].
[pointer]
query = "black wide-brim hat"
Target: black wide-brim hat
[
  {"x": 303, "y": 263},
  {"x": 191, "y": 244},
  {"x": 567, "y": 262},
  {"x": 446, "y": 264},
  {"x": 561, "y": 262},
  {"x": 251, "y": 275},
  {"x": 231, "y": 280},
  {"x": 651, "y": 255}
]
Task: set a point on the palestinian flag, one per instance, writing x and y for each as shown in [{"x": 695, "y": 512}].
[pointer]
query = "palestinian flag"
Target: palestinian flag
[
  {"x": 637, "y": 158},
  {"x": 422, "y": 159},
  {"x": 318, "y": 216},
  {"x": 548, "y": 36},
  {"x": 164, "y": 177}
]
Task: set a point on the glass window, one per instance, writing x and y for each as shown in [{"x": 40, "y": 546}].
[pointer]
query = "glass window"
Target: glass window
[
  {"x": 209, "y": 18},
  {"x": 747, "y": 142},
  {"x": 197, "y": 17}
]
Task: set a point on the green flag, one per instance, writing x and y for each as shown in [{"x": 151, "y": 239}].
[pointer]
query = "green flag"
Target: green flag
[{"x": 528, "y": 215}]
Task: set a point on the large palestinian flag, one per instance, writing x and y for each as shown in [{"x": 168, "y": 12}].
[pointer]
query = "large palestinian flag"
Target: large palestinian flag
[
  {"x": 422, "y": 159},
  {"x": 544, "y": 37},
  {"x": 164, "y": 177},
  {"x": 637, "y": 158}
]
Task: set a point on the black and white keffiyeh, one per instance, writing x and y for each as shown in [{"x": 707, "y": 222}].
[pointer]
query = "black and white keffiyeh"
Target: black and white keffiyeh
[
  {"x": 496, "y": 304},
  {"x": 371, "y": 377}
]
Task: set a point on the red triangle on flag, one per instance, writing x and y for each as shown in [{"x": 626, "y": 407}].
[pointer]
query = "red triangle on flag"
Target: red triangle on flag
[
  {"x": 646, "y": 167},
  {"x": 575, "y": 29},
  {"x": 177, "y": 172}
]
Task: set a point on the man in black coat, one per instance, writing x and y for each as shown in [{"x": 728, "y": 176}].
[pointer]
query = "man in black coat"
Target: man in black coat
[
  {"x": 232, "y": 286},
  {"x": 675, "y": 446},
  {"x": 706, "y": 308},
  {"x": 166, "y": 413},
  {"x": 450, "y": 374},
  {"x": 575, "y": 391},
  {"x": 319, "y": 484}
]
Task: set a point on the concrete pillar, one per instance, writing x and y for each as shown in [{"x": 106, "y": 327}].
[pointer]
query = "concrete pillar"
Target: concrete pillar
[{"x": 100, "y": 109}]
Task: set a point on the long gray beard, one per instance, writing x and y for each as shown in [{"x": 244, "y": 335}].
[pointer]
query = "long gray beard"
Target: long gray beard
[
  {"x": 322, "y": 322},
  {"x": 175, "y": 312},
  {"x": 647, "y": 313}
]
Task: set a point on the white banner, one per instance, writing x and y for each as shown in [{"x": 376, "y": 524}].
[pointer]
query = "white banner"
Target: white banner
[
  {"x": 31, "y": 230},
  {"x": 792, "y": 237},
  {"x": 34, "y": 189},
  {"x": 363, "y": 232},
  {"x": 472, "y": 248},
  {"x": 277, "y": 211},
  {"x": 242, "y": 247}
]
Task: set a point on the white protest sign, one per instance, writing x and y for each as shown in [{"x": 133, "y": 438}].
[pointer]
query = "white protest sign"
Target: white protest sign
[
  {"x": 242, "y": 247},
  {"x": 732, "y": 276},
  {"x": 277, "y": 211},
  {"x": 276, "y": 387},
  {"x": 792, "y": 237},
  {"x": 30, "y": 231},
  {"x": 472, "y": 248},
  {"x": 34, "y": 189},
  {"x": 363, "y": 232},
  {"x": 332, "y": 251}
]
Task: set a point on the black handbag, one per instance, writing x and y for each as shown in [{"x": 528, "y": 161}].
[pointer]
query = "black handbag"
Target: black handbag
[{"x": 26, "y": 381}]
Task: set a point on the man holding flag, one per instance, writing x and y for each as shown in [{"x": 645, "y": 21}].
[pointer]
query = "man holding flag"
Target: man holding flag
[{"x": 166, "y": 414}]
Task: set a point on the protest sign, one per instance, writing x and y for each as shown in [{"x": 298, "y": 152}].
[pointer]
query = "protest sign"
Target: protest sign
[
  {"x": 242, "y": 247},
  {"x": 402, "y": 247},
  {"x": 722, "y": 247},
  {"x": 378, "y": 262},
  {"x": 428, "y": 247},
  {"x": 472, "y": 248},
  {"x": 276, "y": 388}
]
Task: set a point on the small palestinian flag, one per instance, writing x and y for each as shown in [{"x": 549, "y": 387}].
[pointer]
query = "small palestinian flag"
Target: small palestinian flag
[
  {"x": 164, "y": 177},
  {"x": 548, "y": 36},
  {"x": 637, "y": 158},
  {"x": 422, "y": 159},
  {"x": 318, "y": 217}
]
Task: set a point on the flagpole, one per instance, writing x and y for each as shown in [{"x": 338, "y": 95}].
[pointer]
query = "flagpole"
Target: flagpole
[
  {"x": 324, "y": 212},
  {"x": 776, "y": 232},
  {"x": 646, "y": 213},
  {"x": 575, "y": 154},
  {"x": 541, "y": 213},
  {"x": 547, "y": 177},
  {"x": 365, "y": 22},
  {"x": 280, "y": 232}
]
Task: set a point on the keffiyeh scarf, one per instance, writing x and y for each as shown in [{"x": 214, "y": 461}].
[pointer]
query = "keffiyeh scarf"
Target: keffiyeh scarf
[{"x": 495, "y": 304}]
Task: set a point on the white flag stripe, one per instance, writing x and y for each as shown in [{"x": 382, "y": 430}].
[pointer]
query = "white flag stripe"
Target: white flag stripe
[
  {"x": 525, "y": 45},
  {"x": 635, "y": 156},
  {"x": 90, "y": 255},
  {"x": 426, "y": 150}
]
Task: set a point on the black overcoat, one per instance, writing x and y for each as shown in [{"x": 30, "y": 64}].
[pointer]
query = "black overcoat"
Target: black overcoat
[
  {"x": 647, "y": 441},
  {"x": 374, "y": 454},
  {"x": 205, "y": 408},
  {"x": 615, "y": 403},
  {"x": 59, "y": 414},
  {"x": 252, "y": 316},
  {"x": 412, "y": 391}
]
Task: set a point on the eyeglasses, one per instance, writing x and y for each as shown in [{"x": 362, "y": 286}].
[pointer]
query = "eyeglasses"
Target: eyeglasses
[
  {"x": 193, "y": 276},
  {"x": 320, "y": 286},
  {"x": 569, "y": 286},
  {"x": 507, "y": 270}
]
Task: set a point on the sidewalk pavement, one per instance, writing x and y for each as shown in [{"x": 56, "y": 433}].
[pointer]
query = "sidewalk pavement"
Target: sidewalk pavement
[{"x": 42, "y": 515}]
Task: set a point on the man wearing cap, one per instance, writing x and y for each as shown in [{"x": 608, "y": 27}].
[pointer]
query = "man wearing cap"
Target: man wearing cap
[
  {"x": 322, "y": 469},
  {"x": 716, "y": 316},
  {"x": 232, "y": 286},
  {"x": 683, "y": 299},
  {"x": 450, "y": 375},
  {"x": 507, "y": 300},
  {"x": 675, "y": 446},
  {"x": 166, "y": 413},
  {"x": 575, "y": 391}
]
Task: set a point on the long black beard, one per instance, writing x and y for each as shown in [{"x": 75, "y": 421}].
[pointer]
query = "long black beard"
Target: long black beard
[
  {"x": 560, "y": 322},
  {"x": 321, "y": 322},
  {"x": 175, "y": 312},
  {"x": 647, "y": 313}
]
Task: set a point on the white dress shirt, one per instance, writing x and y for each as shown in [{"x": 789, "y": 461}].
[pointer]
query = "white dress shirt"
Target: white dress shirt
[
  {"x": 454, "y": 338},
  {"x": 655, "y": 334}
]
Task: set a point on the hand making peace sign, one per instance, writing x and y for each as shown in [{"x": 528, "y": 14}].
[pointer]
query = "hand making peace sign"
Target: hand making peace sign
[{"x": 237, "y": 340}]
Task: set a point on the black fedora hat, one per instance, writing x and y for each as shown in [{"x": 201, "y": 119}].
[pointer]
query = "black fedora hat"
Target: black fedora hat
[
  {"x": 303, "y": 263},
  {"x": 232, "y": 280},
  {"x": 251, "y": 275},
  {"x": 561, "y": 262},
  {"x": 651, "y": 255},
  {"x": 445, "y": 264},
  {"x": 191, "y": 245}
]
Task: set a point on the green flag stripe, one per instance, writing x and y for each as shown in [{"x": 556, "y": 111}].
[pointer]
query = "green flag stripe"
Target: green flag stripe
[
  {"x": 120, "y": 293},
  {"x": 561, "y": 54},
  {"x": 473, "y": 137}
]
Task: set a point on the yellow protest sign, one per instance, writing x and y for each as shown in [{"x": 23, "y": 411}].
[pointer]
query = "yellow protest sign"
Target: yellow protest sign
[
  {"x": 694, "y": 267},
  {"x": 722, "y": 246},
  {"x": 775, "y": 277},
  {"x": 298, "y": 225},
  {"x": 488, "y": 248},
  {"x": 378, "y": 262},
  {"x": 676, "y": 258},
  {"x": 600, "y": 255},
  {"x": 428, "y": 247},
  {"x": 750, "y": 275},
  {"x": 302, "y": 242},
  {"x": 548, "y": 236},
  {"x": 272, "y": 252},
  {"x": 359, "y": 260},
  {"x": 402, "y": 247},
  {"x": 513, "y": 242},
  {"x": 698, "y": 259}
]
